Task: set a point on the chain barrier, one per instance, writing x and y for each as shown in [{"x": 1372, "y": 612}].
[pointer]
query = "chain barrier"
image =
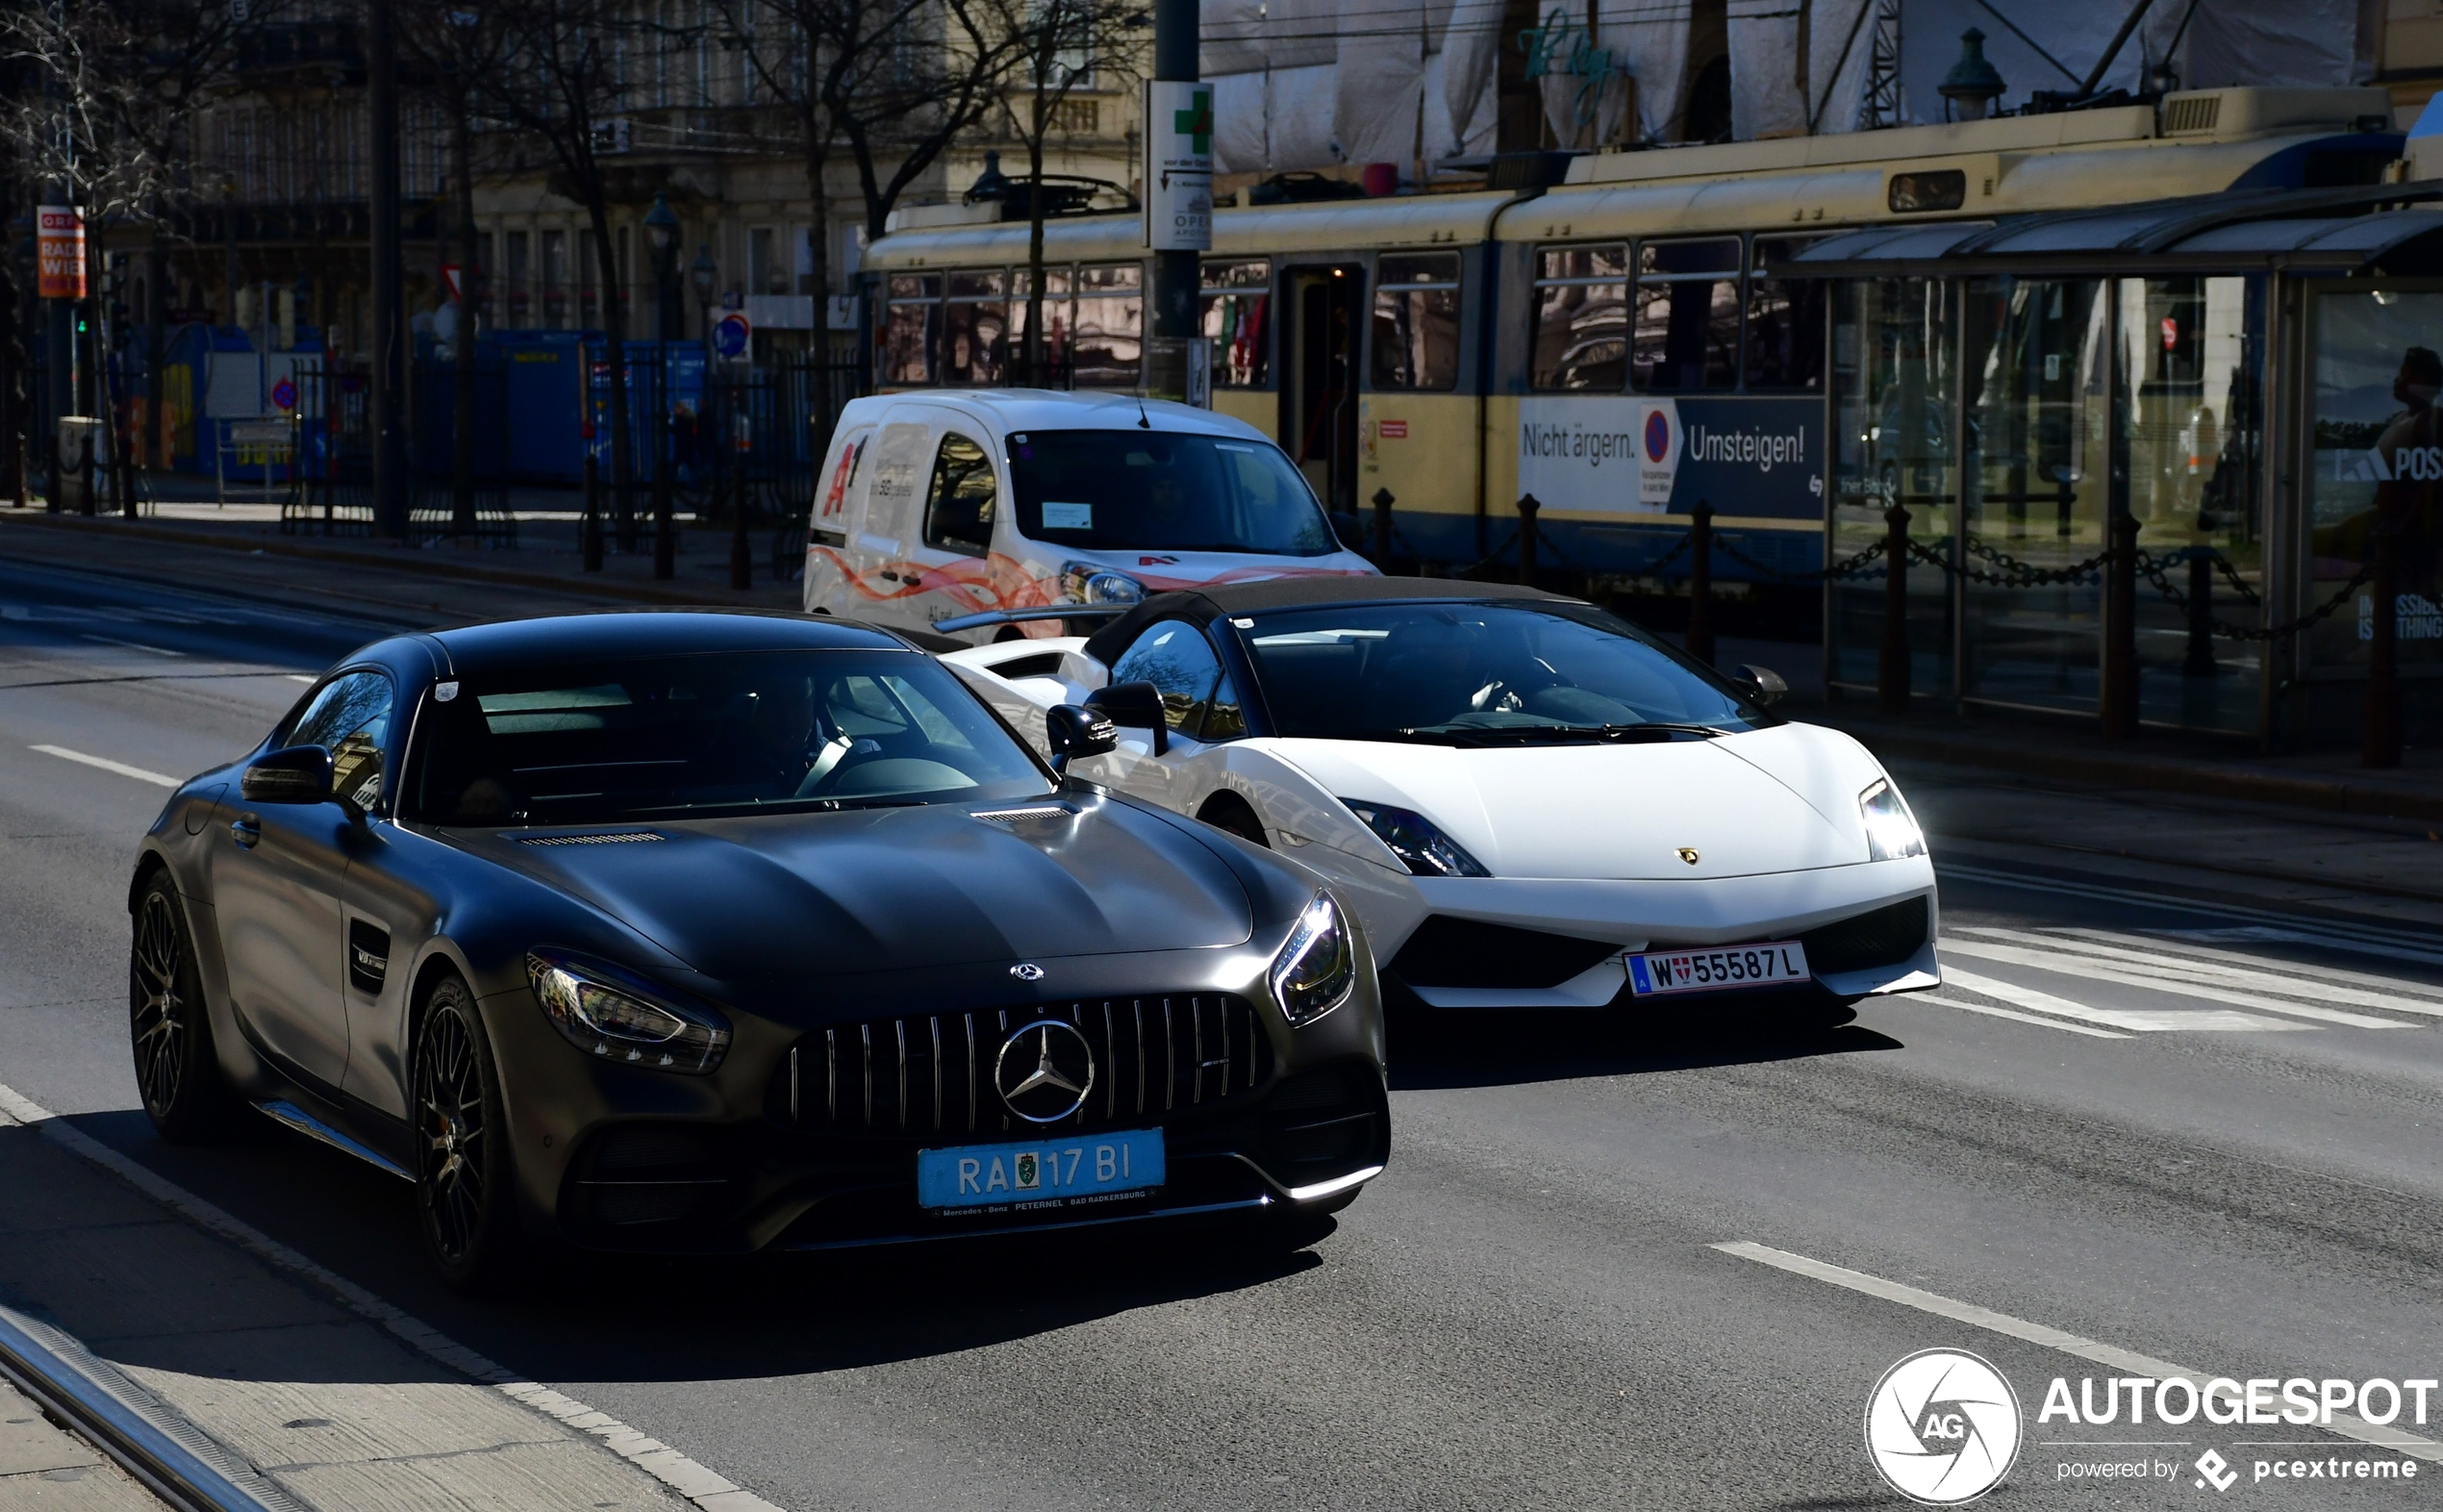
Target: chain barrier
[
  {"x": 2013, "y": 572},
  {"x": 1852, "y": 565},
  {"x": 2158, "y": 571}
]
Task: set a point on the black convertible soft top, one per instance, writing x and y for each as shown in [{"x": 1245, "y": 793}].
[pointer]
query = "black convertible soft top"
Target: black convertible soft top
[{"x": 1203, "y": 605}]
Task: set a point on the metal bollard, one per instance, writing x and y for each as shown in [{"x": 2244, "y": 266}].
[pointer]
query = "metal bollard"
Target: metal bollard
[
  {"x": 1891, "y": 677},
  {"x": 1700, "y": 582},
  {"x": 1384, "y": 500},
  {"x": 2379, "y": 742},
  {"x": 2200, "y": 662},
  {"x": 590, "y": 529},
  {"x": 2120, "y": 691},
  {"x": 1527, "y": 506}
]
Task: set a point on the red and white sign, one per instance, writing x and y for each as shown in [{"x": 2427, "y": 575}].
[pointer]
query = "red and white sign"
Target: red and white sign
[
  {"x": 1393, "y": 430},
  {"x": 449, "y": 280},
  {"x": 58, "y": 250}
]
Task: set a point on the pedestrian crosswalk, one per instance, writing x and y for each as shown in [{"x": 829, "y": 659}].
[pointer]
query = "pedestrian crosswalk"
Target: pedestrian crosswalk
[{"x": 2114, "y": 984}]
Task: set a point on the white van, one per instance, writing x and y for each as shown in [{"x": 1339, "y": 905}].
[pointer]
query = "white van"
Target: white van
[{"x": 939, "y": 504}]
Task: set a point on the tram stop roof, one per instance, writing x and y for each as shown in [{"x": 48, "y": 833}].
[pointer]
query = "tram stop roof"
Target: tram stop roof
[{"x": 2390, "y": 228}]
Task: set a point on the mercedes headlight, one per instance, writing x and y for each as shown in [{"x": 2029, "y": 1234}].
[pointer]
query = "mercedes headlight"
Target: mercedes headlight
[
  {"x": 1316, "y": 965},
  {"x": 1085, "y": 583},
  {"x": 1891, "y": 829},
  {"x": 606, "y": 1011},
  {"x": 1422, "y": 848}
]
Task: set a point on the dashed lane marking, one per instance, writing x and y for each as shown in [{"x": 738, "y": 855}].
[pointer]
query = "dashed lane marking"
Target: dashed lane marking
[
  {"x": 2060, "y": 962},
  {"x": 107, "y": 765},
  {"x": 2141, "y": 1019},
  {"x": 665, "y": 1464},
  {"x": 2234, "y": 969},
  {"x": 2110, "y": 1357},
  {"x": 2332, "y": 934},
  {"x": 2013, "y": 1015}
]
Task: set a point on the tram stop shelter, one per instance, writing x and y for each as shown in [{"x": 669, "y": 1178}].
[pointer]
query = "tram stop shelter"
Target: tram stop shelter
[{"x": 2243, "y": 388}]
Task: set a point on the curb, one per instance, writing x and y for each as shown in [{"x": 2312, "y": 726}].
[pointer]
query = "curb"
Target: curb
[
  {"x": 419, "y": 563},
  {"x": 167, "y": 1454},
  {"x": 2134, "y": 770}
]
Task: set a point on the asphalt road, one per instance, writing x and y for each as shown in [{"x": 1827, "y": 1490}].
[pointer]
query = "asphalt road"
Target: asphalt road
[{"x": 1530, "y": 1308}]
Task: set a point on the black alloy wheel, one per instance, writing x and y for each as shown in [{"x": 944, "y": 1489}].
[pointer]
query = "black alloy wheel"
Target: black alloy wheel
[
  {"x": 176, "y": 1071},
  {"x": 462, "y": 1177}
]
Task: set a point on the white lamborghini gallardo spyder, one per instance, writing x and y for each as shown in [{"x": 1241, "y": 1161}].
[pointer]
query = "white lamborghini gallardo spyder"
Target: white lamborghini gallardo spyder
[{"x": 1528, "y": 801}]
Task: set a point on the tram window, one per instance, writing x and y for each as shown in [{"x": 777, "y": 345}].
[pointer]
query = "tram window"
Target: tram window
[
  {"x": 974, "y": 324},
  {"x": 1942, "y": 188},
  {"x": 1417, "y": 321},
  {"x": 1110, "y": 326},
  {"x": 1687, "y": 323},
  {"x": 1057, "y": 324},
  {"x": 1785, "y": 323},
  {"x": 1235, "y": 308},
  {"x": 909, "y": 329},
  {"x": 1581, "y": 318}
]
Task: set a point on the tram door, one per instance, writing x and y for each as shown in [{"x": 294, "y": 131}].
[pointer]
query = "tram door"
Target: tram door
[{"x": 1319, "y": 387}]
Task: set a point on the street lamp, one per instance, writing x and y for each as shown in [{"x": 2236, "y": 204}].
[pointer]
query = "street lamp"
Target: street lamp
[{"x": 661, "y": 235}]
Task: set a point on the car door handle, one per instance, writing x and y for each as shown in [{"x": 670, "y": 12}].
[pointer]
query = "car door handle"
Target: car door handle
[{"x": 245, "y": 831}]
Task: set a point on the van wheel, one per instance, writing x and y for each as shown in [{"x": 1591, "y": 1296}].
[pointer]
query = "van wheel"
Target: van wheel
[{"x": 1228, "y": 811}]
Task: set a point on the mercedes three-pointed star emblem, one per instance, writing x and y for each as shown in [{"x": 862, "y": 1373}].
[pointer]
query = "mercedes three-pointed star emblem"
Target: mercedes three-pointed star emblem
[{"x": 1045, "y": 1071}]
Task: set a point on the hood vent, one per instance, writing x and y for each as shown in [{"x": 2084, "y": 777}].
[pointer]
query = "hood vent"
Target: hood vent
[
  {"x": 615, "y": 837},
  {"x": 1045, "y": 811}
]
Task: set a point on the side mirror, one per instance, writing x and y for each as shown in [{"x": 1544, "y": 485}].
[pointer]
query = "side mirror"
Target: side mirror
[
  {"x": 293, "y": 774},
  {"x": 1762, "y": 684},
  {"x": 1134, "y": 706},
  {"x": 1071, "y": 732}
]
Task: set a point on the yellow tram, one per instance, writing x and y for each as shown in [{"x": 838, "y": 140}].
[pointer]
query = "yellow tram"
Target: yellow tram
[{"x": 1622, "y": 343}]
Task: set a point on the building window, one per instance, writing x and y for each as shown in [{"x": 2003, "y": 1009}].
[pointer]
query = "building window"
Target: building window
[
  {"x": 1237, "y": 301},
  {"x": 555, "y": 279},
  {"x": 1109, "y": 327},
  {"x": 1581, "y": 318},
  {"x": 1686, "y": 338},
  {"x": 1785, "y": 323},
  {"x": 516, "y": 273},
  {"x": 908, "y": 332},
  {"x": 1417, "y": 321},
  {"x": 589, "y": 283},
  {"x": 763, "y": 272}
]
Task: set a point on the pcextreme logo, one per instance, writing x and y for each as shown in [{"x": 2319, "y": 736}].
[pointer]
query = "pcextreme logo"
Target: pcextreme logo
[{"x": 1943, "y": 1427}]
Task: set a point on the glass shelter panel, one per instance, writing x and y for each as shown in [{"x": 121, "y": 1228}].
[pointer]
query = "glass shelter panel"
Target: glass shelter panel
[
  {"x": 2379, "y": 462},
  {"x": 2193, "y": 432},
  {"x": 1893, "y": 356},
  {"x": 2038, "y": 401}
]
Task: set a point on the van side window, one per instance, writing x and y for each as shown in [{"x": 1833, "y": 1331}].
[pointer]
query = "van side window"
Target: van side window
[
  {"x": 1175, "y": 656},
  {"x": 958, "y": 512}
]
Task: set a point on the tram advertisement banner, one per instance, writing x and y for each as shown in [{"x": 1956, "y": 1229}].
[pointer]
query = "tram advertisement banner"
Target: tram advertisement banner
[{"x": 1626, "y": 454}]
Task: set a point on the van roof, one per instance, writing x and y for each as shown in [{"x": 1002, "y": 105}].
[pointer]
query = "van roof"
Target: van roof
[{"x": 1016, "y": 410}]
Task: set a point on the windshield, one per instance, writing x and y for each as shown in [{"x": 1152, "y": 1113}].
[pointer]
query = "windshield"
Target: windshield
[
  {"x": 713, "y": 733},
  {"x": 1159, "y": 491},
  {"x": 1468, "y": 674}
]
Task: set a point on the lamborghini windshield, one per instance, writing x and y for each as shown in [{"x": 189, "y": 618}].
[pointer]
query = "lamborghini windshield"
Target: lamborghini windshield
[
  {"x": 1474, "y": 674},
  {"x": 713, "y": 733},
  {"x": 1163, "y": 491}
]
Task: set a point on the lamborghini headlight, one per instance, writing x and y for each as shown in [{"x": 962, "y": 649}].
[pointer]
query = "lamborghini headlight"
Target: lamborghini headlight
[
  {"x": 1421, "y": 846},
  {"x": 608, "y": 1012},
  {"x": 1891, "y": 829},
  {"x": 1316, "y": 967}
]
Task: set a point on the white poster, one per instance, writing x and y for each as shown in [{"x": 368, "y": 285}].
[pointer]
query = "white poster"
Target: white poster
[
  {"x": 1178, "y": 165},
  {"x": 1611, "y": 455}
]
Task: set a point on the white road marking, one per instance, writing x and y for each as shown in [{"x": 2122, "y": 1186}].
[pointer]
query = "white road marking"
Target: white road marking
[
  {"x": 2244, "y": 970},
  {"x": 2283, "y": 935},
  {"x": 2012, "y": 1014},
  {"x": 297, "y": 677},
  {"x": 663, "y": 1463},
  {"x": 107, "y": 765},
  {"x": 2145, "y": 1020},
  {"x": 2362, "y": 939},
  {"x": 2112, "y": 1356},
  {"x": 131, "y": 645},
  {"x": 2157, "y": 980}
]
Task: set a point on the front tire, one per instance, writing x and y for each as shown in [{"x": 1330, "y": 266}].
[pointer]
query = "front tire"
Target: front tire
[
  {"x": 169, "y": 1030},
  {"x": 465, "y": 1180}
]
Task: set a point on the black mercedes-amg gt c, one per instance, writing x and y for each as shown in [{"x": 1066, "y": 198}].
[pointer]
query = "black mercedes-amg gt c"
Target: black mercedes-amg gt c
[{"x": 715, "y": 931}]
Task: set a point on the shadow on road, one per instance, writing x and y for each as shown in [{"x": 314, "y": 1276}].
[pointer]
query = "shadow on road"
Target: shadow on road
[{"x": 1441, "y": 1048}]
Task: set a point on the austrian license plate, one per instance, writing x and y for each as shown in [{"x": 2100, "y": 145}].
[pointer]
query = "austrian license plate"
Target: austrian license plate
[
  {"x": 1041, "y": 1173},
  {"x": 1775, "y": 963}
]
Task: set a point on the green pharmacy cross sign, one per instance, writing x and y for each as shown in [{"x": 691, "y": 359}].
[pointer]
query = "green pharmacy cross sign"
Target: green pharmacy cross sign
[{"x": 1196, "y": 121}]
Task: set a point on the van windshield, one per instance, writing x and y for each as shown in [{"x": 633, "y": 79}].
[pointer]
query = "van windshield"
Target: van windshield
[{"x": 1159, "y": 491}]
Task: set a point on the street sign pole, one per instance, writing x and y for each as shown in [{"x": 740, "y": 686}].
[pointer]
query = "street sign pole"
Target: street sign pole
[
  {"x": 389, "y": 378},
  {"x": 1178, "y": 194}
]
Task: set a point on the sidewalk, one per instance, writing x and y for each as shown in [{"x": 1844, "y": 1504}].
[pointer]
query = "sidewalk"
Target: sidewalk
[{"x": 43, "y": 1468}]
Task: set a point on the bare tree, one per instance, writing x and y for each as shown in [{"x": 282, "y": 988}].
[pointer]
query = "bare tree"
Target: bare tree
[{"x": 564, "y": 86}]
